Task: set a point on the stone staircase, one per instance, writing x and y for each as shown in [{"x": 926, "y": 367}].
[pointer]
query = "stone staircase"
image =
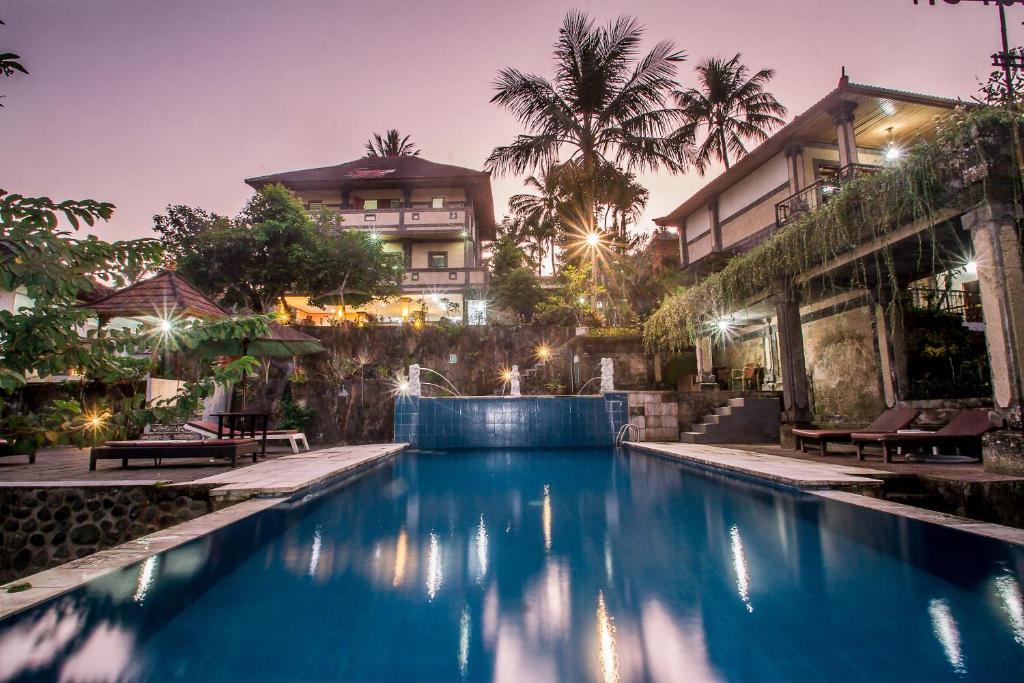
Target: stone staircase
[{"x": 741, "y": 420}]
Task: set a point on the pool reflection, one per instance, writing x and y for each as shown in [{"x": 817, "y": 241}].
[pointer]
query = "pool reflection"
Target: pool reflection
[{"x": 450, "y": 567}]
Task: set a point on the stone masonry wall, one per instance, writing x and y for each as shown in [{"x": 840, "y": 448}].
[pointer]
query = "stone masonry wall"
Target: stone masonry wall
[{"x": 45, "y": 527}]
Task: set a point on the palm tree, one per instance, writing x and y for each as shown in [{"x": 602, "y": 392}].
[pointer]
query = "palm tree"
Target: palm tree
[
  {"x": 541, "y": 212},
  {"x": 623, "y": 199},
  {"x": 605, "y": 102},
  {"x": 391, "y": 144},
  {"x": 732, "y": 105}
]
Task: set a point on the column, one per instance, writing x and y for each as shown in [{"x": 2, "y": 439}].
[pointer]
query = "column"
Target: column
[
  {"x": 1001, "y": 281},
  {"x": 716, "y": 227},
  {"x": 796, "y": 404},
  {"x": 705, "y": 363},
  {"x": 891, "y": 341},
  {"x": 843, "y": 117},
  {"x": 795, "y": 167},
  {"x": 684, "y": 250}
]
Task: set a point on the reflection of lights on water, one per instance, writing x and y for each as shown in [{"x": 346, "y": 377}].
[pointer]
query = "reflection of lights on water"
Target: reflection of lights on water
[
  {"x": 739, "y": 564},
  {"x": 464, "y": 642},
  {"x": 435, "y": 574},
  {"x": 147, "y": 572},
  {"x": 314, "y": 559},
  {"x": 547, "y": 517},
  {"x": 481, "y": 550},
  {"x": 946, "y": 631},
  {"x": 606, "y": 642},
  {"x": 401, "y": 550},
  {"x": 608, "y": 558},
  {"x": 1013, "y": 604}
]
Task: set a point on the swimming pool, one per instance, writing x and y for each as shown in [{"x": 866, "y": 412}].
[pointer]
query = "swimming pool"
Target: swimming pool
[{"x": 574, "y": 565}]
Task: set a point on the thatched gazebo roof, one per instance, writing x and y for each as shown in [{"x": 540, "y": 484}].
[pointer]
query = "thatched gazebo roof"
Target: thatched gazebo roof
[{"x": 164, "y": 295}]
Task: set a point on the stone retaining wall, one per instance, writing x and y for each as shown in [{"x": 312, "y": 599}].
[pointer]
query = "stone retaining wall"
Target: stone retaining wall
[{"x": 45, "y": 527}]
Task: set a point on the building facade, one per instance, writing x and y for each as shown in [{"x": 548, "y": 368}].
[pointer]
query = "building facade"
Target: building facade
[{"x": 436, "y": 215}]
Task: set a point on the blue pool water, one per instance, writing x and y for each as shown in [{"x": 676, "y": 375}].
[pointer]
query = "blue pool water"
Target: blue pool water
[{"x": 544, "y": 566}]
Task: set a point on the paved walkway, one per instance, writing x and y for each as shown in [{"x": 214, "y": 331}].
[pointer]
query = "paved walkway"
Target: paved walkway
[
  {"x": 288, "y": 474},
  {"x": 788, "y": 471}
]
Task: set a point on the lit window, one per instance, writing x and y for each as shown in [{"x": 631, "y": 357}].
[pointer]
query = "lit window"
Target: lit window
[
  {"x": 438, "y": 259},
  {"x": 370, "y": 204},
  {"x": 437, "y": 203}
]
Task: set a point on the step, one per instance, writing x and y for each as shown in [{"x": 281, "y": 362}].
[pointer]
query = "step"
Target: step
[
  {"x": 736, "y": 402},
  {"x": 724, "y": 410},
  {"x": 712, "y": 419},
  {"x": 689, "y": 437},
  {"x": 699, "y": 428}
]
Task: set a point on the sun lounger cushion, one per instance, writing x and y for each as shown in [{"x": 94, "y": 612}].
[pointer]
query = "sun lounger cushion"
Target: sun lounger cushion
[
  {"x": 178, "y": 443},
  {"x": 211, "y": 427}
]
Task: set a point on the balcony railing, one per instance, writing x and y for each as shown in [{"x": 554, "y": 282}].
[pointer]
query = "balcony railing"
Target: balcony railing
[
  {"x": 818, "y": 193},
  {"x": 966, "y": 304}
]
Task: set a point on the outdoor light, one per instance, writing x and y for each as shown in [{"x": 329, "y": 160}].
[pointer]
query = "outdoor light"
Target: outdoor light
[
  {"x": 506, "y": 375},
  {"x": 543, "y": 352},
  {"x": 724, "y": 324},
  {"x": 593, "y": 239},
  {"x": 464, "y": 234},
  {"x": 971, "y": 267},
  {"x": 582, "y": 300},
  {"x": 166, "y": 325},
  {"x": 403, "y": 388},
  {"x": 892, "y": 152}
]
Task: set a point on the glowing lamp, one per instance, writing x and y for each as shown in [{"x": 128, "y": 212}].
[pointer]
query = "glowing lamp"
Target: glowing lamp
[
  {"x": 971, "y": 267},
  {"x": 543, "y": 352},
  {"x": 166, "y": 325},
  {"x": 593, "y": 239}
]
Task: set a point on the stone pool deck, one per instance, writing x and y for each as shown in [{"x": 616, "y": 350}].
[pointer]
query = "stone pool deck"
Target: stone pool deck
[
  {"x": 238, "y": 492},
  {"x": 789, "y": 472}
]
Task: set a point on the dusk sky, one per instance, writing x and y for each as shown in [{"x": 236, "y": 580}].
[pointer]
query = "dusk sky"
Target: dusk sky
[{"x": 145, "y": 103}]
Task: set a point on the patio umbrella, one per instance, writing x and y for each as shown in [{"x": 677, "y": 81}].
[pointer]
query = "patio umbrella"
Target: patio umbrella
[
  {"x": 279, "y": 342},
  {"x": 342, "y": 297}
]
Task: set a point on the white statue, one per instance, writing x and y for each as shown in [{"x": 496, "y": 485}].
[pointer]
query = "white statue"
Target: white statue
[
  {"x": 514, "y": 391},
  {"x": 607, "y": 375},
  {"x": 414, "y": 381}
]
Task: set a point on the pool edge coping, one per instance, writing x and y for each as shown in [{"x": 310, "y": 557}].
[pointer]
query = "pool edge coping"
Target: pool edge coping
[
  {"x": 64, "y": 578},
  {"x": 998, "y": 532}
]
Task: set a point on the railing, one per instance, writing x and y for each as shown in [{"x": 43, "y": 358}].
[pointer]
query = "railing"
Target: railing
[
  {"x": 964, "y": 303},
  {"x": 818, "y": 193},
  {"x": 624, "y": 431}
]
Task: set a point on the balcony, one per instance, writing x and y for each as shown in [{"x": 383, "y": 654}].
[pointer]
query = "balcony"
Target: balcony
[
  {"x": 961, "y": 302},
  {"x": 439, "y": 278},
  {"x": 410, "y": 219},
  {"x": 818, "y": 193}
]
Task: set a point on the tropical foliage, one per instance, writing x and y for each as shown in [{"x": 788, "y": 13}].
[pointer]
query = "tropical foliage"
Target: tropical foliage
[
  {"x": 733, "y": 108},
  {"x": 274, "y": 247},
  {"x": 391, "y": 144},
  {"x": 930, "y": 181}
]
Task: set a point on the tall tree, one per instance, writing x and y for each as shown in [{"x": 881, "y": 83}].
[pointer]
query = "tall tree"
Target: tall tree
[
  {"x": 605, "y": 102},
  {"x": 391, "y": 144},
  {"x": 732, "y": 105},
  {"x": 541, "y": 211}
]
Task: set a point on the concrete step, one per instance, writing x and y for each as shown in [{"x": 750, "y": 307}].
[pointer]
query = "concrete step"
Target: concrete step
[
  {"x": 737, "y": 402},
  {"x": 689, "y": 437},
  {"x": 724, "y": 410},
  {"x": 713, "y": 419},
  {"x": 699, "y": 428},
  {"x": 743, "y": 420}
]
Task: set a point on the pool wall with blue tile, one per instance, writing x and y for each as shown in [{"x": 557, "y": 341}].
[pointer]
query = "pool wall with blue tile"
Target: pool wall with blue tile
[{"x": 506, "y": 422}]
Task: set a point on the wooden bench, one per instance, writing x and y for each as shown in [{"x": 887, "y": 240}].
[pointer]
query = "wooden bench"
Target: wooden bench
[{"x": 228, "y": 449}]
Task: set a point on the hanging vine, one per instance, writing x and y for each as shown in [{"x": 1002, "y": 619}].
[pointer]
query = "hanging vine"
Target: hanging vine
[{"x": 969, "y": 162}]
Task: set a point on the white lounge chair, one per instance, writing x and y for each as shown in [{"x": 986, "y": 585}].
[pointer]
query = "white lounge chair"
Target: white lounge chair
[{"x": 293, "y": 436}]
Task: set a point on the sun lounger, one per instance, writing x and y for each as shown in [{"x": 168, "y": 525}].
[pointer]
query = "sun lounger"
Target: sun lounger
[
  {"x": 156, "y": 451},
  {"x": 293, "y": 436},
  {"x": 5, "y": 449},
  {"x": 891, "y": 420},
  {"x": 962, "y": 433}
]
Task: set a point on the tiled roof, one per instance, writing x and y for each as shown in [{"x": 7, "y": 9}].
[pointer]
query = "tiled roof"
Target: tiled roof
[
  {"x": 162, "y": 295},
  {"x": 95, "y": 293},
  {"x": 371, "y": 168}
]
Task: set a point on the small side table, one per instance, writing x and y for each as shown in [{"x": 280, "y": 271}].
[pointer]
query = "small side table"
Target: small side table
[{"x": 244, "y": 424}]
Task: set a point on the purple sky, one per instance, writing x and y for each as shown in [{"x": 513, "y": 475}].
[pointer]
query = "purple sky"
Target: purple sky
[{"x": 145, "y": 103}]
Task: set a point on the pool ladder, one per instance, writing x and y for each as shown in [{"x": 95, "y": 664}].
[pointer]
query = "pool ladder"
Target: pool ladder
[{"x": 624, "y": 430}]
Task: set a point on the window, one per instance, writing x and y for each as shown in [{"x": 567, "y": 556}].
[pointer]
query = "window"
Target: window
[
  {"x": 370, "y": 204},
  {"x": 437, "y": 203},
  {"x": 415, "y": 216},
  {"x": 369, "y": 218},
  {"x": 394, "y": 203},
  {"x": 453, "y": 215},
  {"x": 316, "y": 207},
  {"x": 437, "y": 259}
]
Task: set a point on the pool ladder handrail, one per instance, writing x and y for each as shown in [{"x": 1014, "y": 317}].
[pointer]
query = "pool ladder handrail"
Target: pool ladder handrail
[{"x": 627, "y": 427}]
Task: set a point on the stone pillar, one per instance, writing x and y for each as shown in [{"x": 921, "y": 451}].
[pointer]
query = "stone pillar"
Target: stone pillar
[
  {"x": 716, "y": 227},
  {"x": 795, "y": 167},
  {"x": 514, "y": 380},
  {"x": 997, "y": 252},
  {"x": 891, "y": 340},
  {"x": 843, "y": 117},
  {"x": 796, "y": 403},
  {"x": 705, "y": 363}
]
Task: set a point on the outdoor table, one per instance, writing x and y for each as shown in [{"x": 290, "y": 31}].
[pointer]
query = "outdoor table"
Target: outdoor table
[{"x": 244, "y": 423}]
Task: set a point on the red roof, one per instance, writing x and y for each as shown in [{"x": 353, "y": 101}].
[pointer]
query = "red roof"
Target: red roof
[{"x": 165, "y": 294}]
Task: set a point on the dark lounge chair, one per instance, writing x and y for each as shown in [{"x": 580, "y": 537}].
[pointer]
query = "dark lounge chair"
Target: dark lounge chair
[
  {"x": 156, "y": 451},
  {"x": 889, "y": 421},
  {"x": 962, "y": 433}
]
